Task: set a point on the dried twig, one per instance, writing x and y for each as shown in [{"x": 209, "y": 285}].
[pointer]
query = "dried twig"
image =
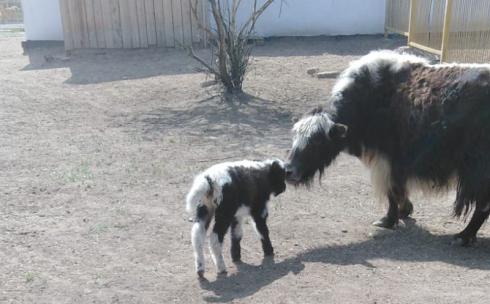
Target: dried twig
[
  {"x": 229, "y": 43},
  {"x": 202, "y": 61},
  {"x": 254, "y": 17}
]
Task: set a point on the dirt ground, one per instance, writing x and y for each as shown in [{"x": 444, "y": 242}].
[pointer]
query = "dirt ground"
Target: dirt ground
[{"x": 98, "y": 150}]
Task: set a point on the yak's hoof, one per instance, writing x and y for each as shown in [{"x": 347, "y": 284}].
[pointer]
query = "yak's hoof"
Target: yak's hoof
[
  {"x": 200, "y": 274},
  {"x": 463, "y": 241},
  {"x": 406, "y": 210},
  {"x": 236, "y": 260},
  {"x": 222, "y": 273},
  {"x": 386, "y": 222}
]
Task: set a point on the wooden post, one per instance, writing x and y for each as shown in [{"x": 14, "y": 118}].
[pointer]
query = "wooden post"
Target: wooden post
[
  {"x": 411, "y": 20},
  {"x": 446, "y": 29}
]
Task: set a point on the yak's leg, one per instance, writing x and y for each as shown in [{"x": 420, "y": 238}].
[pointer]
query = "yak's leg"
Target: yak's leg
[
  {"x": 468, "y": 235},
  {"x": 236, "y": 237},
  {"x": 396, "y": 195},
  {"x": 216, "y": 243},
  {"x": 405, "y": 208},
  {"x": 391, "y": 218},
  {"x": 260, "y": 220}
]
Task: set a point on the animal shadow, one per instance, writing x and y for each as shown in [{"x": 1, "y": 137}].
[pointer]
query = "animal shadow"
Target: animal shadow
[
  {"x": 249, "y": 279},
  {"x": 413, "y": 243}
]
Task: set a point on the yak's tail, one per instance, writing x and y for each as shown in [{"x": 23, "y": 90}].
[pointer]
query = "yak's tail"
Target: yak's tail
[{"x": 201, "y": 193}]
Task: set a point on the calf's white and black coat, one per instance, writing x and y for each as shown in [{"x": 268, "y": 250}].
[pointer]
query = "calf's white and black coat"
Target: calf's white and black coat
[{"x": 229, "y": 192}]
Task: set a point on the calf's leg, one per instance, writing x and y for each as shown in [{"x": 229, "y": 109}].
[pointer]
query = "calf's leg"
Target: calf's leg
[
  {"x": 198, "y": 237},
  {"x": 236, "y": 237},
  {"x": 216, "y": 243},
  {"x": 260, "y": 220}
]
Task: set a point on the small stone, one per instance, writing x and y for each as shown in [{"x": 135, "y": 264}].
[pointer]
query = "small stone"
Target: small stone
[
  {"x": 312, "y": 71},
  {"x": 329, "y": 74},
  {"x": 209, "y": 83}
]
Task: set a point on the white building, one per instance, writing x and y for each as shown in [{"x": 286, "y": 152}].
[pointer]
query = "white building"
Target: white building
[{"x": 42, "y": 18}]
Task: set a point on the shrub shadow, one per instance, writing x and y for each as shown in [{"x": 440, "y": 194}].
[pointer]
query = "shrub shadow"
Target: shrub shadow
[{"x": 246, "y": 117}]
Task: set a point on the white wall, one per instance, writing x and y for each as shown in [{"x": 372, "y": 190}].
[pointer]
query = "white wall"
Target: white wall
[
  {"x": 42, "y": 20},
  {"x": 298, "y": 18},
  {"x": 320, "y": 17}
]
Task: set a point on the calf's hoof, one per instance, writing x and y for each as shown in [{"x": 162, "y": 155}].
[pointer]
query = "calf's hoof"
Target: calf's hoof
[
  {"x": 200, "y": 274},
  {"x": 236, "y": 256},
  {"x": 406, "y": 210},
  {"x": 269, "y": 253},
  {"x": 386, "y": 222},
  {"x": 463, "y": 240}
]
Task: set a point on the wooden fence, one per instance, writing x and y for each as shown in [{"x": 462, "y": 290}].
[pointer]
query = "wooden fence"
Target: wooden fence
[
  {"x": 456, "y": 30},
  {"x": 131, "y": 23},
  {"x": 10, "y": 11}
]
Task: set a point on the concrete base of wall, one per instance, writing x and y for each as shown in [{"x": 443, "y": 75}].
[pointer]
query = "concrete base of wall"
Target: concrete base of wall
[{"x": 29, "y": 44}]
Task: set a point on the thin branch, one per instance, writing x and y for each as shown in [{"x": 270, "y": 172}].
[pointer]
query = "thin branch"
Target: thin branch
[
  {"x": 229, "y": 41},
  {"x": 202, "y": 61},
  {"x": 234, "y": 11},
  {"x": 223, "y": 70},
  {"x": 221, "y": 19},
  {"x": 252, "y": 27},
  {"x": 199, "y": 23},
  {"x": 253, "y": 18}
]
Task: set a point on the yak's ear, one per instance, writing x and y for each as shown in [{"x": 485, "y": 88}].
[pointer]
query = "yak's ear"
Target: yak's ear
[{"x": 338, "y": 131}]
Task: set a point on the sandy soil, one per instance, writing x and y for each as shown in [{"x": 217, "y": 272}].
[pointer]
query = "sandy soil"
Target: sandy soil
[{"x": 98, "y": 150}]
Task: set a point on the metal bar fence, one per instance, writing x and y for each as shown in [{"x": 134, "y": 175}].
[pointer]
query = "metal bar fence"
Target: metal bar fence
[{"x": 456, "y": 30}]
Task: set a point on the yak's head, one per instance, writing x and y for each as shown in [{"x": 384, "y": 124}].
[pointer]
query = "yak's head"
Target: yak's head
[{"x": 317, "y": 141}]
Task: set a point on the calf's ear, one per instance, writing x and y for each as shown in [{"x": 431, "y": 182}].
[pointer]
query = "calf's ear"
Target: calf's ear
[
  {"x": 277, "y": 171},
  {"x": 277, "y": 177},
  {"x": 338, "y": 131}
]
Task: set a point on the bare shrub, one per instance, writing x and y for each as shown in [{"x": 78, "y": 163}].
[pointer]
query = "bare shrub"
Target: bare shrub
[{"x": 230, "y": 42}]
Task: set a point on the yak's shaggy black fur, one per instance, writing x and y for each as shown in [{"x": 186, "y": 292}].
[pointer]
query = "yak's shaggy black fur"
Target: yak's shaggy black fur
[{"x": 410, "y": 122}]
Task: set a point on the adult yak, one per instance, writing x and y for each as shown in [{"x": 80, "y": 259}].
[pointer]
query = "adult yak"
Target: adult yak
[{"x": 411, "y": 123}]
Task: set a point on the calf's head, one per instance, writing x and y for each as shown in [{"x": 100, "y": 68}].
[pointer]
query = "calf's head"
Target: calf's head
[
  {"x": 317, "y": 141},
  {"x": 277, "y": 177}
]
